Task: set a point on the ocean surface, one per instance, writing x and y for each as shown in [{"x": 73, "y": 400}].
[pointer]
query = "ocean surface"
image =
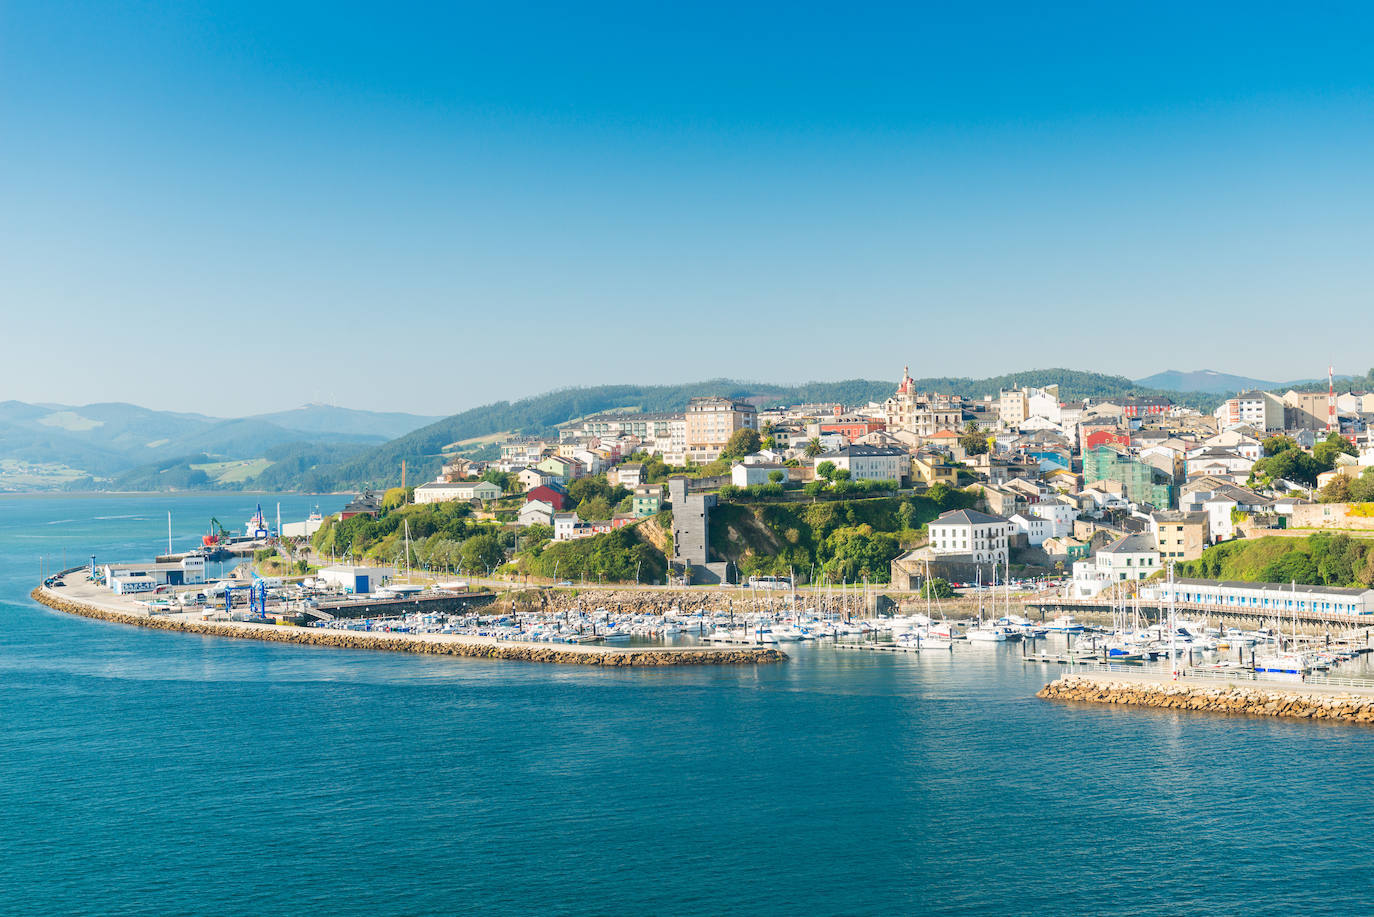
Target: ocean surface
[{"x": 144, "y": 772}]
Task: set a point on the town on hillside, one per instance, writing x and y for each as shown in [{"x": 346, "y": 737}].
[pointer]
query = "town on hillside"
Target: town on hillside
[{"x": 1094, "y": 493}]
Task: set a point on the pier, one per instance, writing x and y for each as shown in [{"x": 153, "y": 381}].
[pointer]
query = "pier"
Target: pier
[
  {"x": 1053, "y": 607},
  {"x": 71, "y": 592},
  {"x": 1345, "y": 700}
]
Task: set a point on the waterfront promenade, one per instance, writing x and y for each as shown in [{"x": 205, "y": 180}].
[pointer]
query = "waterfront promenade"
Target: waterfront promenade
[{"x": 77, "y": 595}]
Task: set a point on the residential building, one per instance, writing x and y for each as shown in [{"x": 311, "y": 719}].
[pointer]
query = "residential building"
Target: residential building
[
  {"x": 1223, "y": 503},
  {"x": 1127, "y": 559},
  {"x": 530, "y": 478},
  {"x": 368, "y": 503},
  {"x": 1059, "y": 513},
  {"x": 931, "y": 468},
  {"x": 985, "y": 538},
  {"x": 1149, "y": 406},
  {"x": 1219, "y": 463},
  {"x": 1035, "y": 529},
  {"x": 1261, "y": 410},
  {"x": 710, "y": 422},
  {"x": 629, "y": 475},
  {"x": 647, "y": 500},
  {"x": 552, "y": 494},
  {"x": 567, "y": 526},
  {"x": 748, "y": 474},
  {"x": 1179, "y": 535},
  {"x": 870, "y": 463},
  {"x": 536, "y": 512}
]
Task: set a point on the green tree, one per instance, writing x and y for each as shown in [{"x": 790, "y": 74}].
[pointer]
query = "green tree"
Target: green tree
[
  {"x": 481, "y": 553},
  {"x": 594, "y": 509},
  {"x": 814, "y": 447},
  {"x": 775, "y": 477},
  {"x": 826, "y": 470},
  {"x": 972, "y": 440},
  {"x": 1279, "y": 443},
  {"x": 1337, "y": 490},
  {"x": 1325, "y": 452},
  {"x": 743, "y": 441},
  {"x": 842, "y": 474}
]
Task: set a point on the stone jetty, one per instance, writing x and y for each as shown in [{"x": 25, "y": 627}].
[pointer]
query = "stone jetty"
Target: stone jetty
[
  {"x": 1250, "y": 698},
  {"x": 428, "y": 644}
]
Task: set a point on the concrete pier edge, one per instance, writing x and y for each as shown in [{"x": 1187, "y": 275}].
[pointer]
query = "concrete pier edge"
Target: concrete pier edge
[{"x": 436, "y": 645}]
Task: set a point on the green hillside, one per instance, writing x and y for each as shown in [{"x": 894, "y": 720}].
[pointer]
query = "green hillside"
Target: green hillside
[
  {"x": 842, "y": 540},
  {"x": 1318, "y": 560}
]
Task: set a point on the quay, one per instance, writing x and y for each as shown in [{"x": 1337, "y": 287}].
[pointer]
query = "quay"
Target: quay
[
  {"x": 1336, "y": 699},
  {"x": 72, "y": 593}
]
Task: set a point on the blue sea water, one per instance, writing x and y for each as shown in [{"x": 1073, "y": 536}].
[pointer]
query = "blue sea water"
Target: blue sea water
[{"x": 144, "y": 772}]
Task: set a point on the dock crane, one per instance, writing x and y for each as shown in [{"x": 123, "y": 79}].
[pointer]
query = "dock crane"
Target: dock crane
[{"x": 218, "y": 533}]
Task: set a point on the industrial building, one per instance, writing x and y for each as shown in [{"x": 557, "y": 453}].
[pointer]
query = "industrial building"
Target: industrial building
[
  {"x": 356, "y": 580},
  {"x": 127, "y": 579}
]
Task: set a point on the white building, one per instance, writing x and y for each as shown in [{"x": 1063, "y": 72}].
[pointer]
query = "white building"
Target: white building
[
  {"x": 745, "y": 474},
  {"x": 443, "y": 491},
  {"x": 566, "y": 527},
  {"x": 1060, "y": 515},
  {"x": 870, "y": 463},
  {"x": 1219, "y": 463},
  {"x": 1034, "y": 528},
  {"x": 130, "y": 578},
  {"x": 355, "y": 579},
  {"x": 1220, "y": 504},
  {"x": 1262, "y": 598},
  {"x": 1257, "y": 409},
  {"x": 536, "y": 512},
  {"x": 967, "y": 531},
  {"x": 1128, "y": 559}
]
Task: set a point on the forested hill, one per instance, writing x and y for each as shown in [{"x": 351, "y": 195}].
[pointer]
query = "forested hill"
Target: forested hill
[{"x": 421, "y": 449}]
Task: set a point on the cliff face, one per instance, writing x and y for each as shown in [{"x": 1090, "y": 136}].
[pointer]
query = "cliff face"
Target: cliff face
[{"x": 1222, "y": 698}]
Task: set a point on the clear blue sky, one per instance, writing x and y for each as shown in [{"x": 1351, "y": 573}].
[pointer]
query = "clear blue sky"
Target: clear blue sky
[{"x": 393, "y": 208}]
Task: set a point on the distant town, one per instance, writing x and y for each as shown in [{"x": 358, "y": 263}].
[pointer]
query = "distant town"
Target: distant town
[{"x": 935, "y": 486}]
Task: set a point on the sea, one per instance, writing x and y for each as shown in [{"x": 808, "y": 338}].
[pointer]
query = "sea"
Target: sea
[{"x": 146, "y": 772}]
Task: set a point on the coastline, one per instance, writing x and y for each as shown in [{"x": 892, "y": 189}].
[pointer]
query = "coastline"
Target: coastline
[{"x": 426, "y": 644}]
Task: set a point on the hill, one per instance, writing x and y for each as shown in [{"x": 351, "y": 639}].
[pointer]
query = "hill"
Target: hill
[
  {"x": 421, "y": 449},
  {"x": 45, "y": 443},
  {"x": 1204, "y": 380}
]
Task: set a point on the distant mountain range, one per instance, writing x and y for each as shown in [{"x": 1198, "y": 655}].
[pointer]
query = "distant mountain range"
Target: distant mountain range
[
  {"x": 1212, "y": 382},
  {"x": 321, "y": 448},
  {"x": 43, "y": 445}
]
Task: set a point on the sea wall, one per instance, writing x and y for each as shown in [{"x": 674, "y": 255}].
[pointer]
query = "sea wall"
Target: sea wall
[
  {"x": 409, "y": 643},
  {"x": 1220, "y": 698}
]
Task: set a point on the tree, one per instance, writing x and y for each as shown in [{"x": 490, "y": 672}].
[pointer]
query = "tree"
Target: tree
[
  {"x": 507, "y": 482},
  {"x": 813, "y": 488},
  {"x": 481, "y": 553},
  {"x": 1325, "y": 452},
  {"x": 1289, "y": 464},
  {"x": 594, "y": 508},
  {"x": 743, "y": 441},
  {"x": 1279, "y": 443},
  {"x": 814, "y": 447},
  {"x": 1337, "y": 490},
  {"x": 973, "y": 441},
  {"x": 826, "y": 470},
  {"x": 842, "y": 474},
  {"x": 775, "y": 477},
  {"x": 394, "y": 497}
]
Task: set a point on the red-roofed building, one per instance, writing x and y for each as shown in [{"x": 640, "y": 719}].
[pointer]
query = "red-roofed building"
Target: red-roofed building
[{"x": 551, "y": 495}]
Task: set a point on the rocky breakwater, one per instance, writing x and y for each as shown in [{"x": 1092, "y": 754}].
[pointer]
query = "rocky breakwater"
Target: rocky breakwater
[
  {"x": 428, "y": 644},
  {"x": 1218, "y": 698}
]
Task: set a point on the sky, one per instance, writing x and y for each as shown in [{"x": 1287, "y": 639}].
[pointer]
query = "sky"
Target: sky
[{"x": 242, "y": 207}]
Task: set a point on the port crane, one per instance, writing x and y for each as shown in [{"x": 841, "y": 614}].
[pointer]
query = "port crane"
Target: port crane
[{"x": 218, "y": 534}]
